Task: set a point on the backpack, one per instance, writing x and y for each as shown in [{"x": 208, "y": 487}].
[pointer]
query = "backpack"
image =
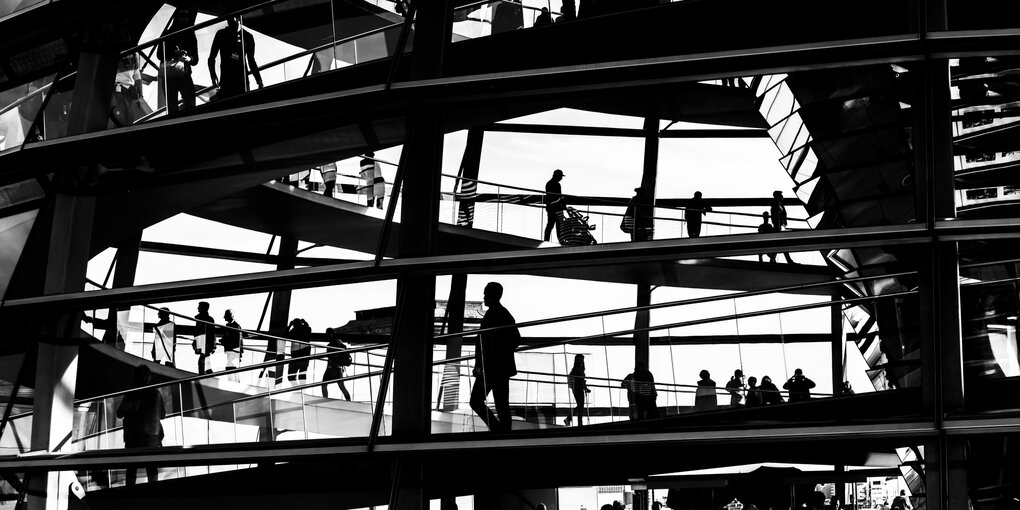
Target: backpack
[{"x": 345, "y": 359}]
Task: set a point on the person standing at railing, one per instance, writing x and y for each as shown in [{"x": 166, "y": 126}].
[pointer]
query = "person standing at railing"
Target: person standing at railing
[
  {"x": 735, "y": 386},
  {"x": 507, "y": 16},
  {"x": 778, "y": 211},
  {"x": 233, "y": 343},
  {"x": 705, "y": 398},
  {"x": 178, "y": 54},
  {"x": 694, "y": 213},
  {"x": 374, "y": 186},
  {"x": 336, "y": 364},
  {"x": 799, "y": 386},
  {"x": 141, "y": 412},
  {"x": 641, "y": 393},
  {"x": 766, "y": 228},
  {"x": 579, "y": 387},
  {"x": 544, "y": 18},
  {"x": 568, "y": 10},
  {"x": 494, "y": 361},
  {"x": 753, "y": 393},
  {"x": 236, "y": 48},
  {"x": 554, "y": 201},
  {"x": 205, "y": 341},
  {"x": 164, "y": 344},
  {"x": 769, "y": 392},
  {"x": 301, "y": 331}
]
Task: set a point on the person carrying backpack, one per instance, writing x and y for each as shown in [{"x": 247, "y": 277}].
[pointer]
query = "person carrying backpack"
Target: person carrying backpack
[{"x": 336, "y": 364}]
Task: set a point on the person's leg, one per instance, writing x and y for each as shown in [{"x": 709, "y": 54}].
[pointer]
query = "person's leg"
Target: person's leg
[
  {"x": 171, "y": 96},
  {"x": 478, "y": 394},
  {"x": 327, "y": 376},
  {"x": 328, "y": 189},
  {"x": 501, "y": 396},
  {"x": 579, "y": 405},
  {"x": 201, "y": 363},
  {"x": 187, "y": 88},
  {"x": 343, "y": 389},
  {"x": 549, "y": 224},
  {"x": 151, "y": 474}
]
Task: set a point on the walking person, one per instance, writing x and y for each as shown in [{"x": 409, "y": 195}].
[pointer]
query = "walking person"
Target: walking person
[
  {"x": 579, "y": 387},
  {"x": 165, "y": 342},
  {"x": 336, "y": 364},
  {"x": 302, "y": 332},
  {"x": 766, "y": 228},
  {"x": 236, "y": 49},
  {"x": 694, "y": 213},
  {"x": 778, "y": 211},
  {"x": 233, "y": 344},
  {"x": 554, "y": 201},
  {"x": 141, "y": 412},
  {"x": 205, "y": 341},
  {"x": 494, "y": 361}
]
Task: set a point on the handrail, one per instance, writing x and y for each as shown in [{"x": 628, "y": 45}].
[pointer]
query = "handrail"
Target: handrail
[
  {"x": 326, "y": 45},
  {"x": 25, "y": 98},
  {"x": 682, "y": 302}
]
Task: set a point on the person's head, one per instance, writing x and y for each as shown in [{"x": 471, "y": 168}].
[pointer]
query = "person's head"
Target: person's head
[
  {"x": 697, "y": 194},
  {"x": 541, "y": 506},
  {"x": 579, "y": 360},
  {"x": 798, "y": 373},
  {"x": 370, "y": 154},
  {"x": 766, "y": 380},
  {"x": 704, "y": 374},
  {"x": 903, "y": 492},
  {"x": 492, "y": 293},
  {"x": 777, "y": 194},
  {"x": 752, "y": 381},
  {"x": 233, "y": 22},
  {"x": 738, "y": 374},
  {"x": 330, "y": 334},
  {"x": 606, "y": 506},
  {"x": 545, "y": 10},
  {"x": 558, "y": 174},
  {"x": 228, "y": 315},
  {"x": 163, "y": 314},
  {"x": 183, "y": 16},
  {"x": 765, "y": 216},
  {"x": 203, "y": 307},
  {"x": 142, "y": 375}
]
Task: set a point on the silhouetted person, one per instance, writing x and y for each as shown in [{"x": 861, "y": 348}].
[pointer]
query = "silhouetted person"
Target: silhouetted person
[
  {"x": 336, "y": 364},
  {"x": 494, "y": 361},
  {"x": 766, "y": 228},
  {"x": 734, "y": 386},
  {"x": 778, "y": 212},
  {"x": 141, "y": 412},
  {"x": 901, "y": 502},
  {"x": 375, "y": 184},
  {"x": 753, "y": 393},
  {"x": 694, "y": 213},
  {"x": 328, "y": 172},
  {"x": 641, "y": 392},
  {"x": 640, "y": 217},
  {"x": 705, "y": 398},
  {"x": 507, "y": 16},
  {"x": 544, "y": 18},
  {"x": 205, "y": 341},
  {"x": 799, "y": 386},
  {"x": 236, "y": 49},
  {"x": 586, "y": 9},
  {"x": 769, "y": 392},
  {"x": 301, "y": 331},
  {"x": 847, "y": 389},
  {"x": 568, "y": 11},
  {"x": 579, "y": 387},
  {"x": 165, "y": 342},
  {"x": 233, "y": 343},
  {"x": 554, "y": 201},
  {"x": 178, "y": 54}
]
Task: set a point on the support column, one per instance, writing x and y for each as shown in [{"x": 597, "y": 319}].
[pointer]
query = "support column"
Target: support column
[
  {"x": 123, "y": 276},
  {"x": 838, "y": 343},
  {"x": 644, "y": 224},
  {"x": 66, "y": 264},
  {"x": 279, "y": 311},
  {"x": 455, "y": 310},
  {"x": 469, "y": 168}
]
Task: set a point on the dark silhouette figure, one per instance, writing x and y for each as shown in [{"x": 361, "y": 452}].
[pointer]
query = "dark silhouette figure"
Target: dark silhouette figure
[
  {"x": 232, "y": 342},
  {"x": 753, "y": 393},
  {"x": 328, "y": 172},
  {"x": 554, "y": 201},
  {"x": 586, "y": 9},
  {"x": 205, "y": 341},
  {"x": 544, "y": 18},
  {"x": 141, "y": 412},
  {"x": 846, "y": 389},
  {"x": 705, "y": 398},
  {"x": 641, "y": 393},
  {"x": 336, "y": 364},
  {"x": 568, "y": 11},
  {"x": 799, "y": 386},
  {"x": 766, "y": 228},
  {"x": 507, "y": 16},
  {"x": 901, "y": 502},
  {"x": 769, "y": 392},
  {"x": 236, "y": 49},
  {"x": 178, "y": 54},
  {"x": 494, "y": 361},
  {"x": 734, "y": 387},
  {"x": 301, "y": 331},
  {"x": 779, "y": 218},
  {"x": 165, "y": 342},
  {"x": 375, "y": 183},
  {"x": 579, "y": 387},
  {"x": 694, "y": 213}
]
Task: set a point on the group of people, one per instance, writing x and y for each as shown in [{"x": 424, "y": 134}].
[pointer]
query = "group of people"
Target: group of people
[
  {"x": 234, "y": 46},
  {"x": 752, "y": 394}
]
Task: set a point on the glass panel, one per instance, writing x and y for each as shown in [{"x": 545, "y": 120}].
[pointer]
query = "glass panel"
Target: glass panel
[{"x": 20, "y": 106}]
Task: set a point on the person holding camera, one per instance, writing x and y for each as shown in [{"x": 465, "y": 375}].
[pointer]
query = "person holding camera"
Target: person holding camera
[
  {"x": 178, "y": 53},
  {"x": 799, "y": 386}
]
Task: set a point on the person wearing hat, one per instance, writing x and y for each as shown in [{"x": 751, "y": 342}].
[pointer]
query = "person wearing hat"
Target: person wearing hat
[{"x": 553, "y": 200}]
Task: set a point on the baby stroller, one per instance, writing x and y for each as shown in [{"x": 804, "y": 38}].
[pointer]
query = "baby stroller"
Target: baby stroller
[{"x": 572, "y": 228}]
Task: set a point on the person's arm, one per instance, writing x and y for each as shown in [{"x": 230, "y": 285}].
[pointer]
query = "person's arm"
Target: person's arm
[
  {"x": 212, "y": 60},
  {"x": 249, "y": 51},
  {"x": 810, "y": 384}
]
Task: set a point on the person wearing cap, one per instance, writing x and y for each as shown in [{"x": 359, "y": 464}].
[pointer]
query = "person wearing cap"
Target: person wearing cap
[{"x": 554, "y": 202}]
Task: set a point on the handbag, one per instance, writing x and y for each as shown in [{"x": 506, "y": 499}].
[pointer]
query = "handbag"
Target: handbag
[{"x": 627, "y": 225}]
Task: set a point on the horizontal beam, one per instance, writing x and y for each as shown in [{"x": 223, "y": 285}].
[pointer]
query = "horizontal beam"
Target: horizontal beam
[
  {"x": 250, "y": 453},
  {"x": 543, "y": 129},
  {"x": 238, "y": 256}
]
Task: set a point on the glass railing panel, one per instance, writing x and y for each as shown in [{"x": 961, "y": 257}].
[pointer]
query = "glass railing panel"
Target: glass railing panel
[
  {"x": 12, "y": 7},
  {"x": 19, "y": 107}
]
